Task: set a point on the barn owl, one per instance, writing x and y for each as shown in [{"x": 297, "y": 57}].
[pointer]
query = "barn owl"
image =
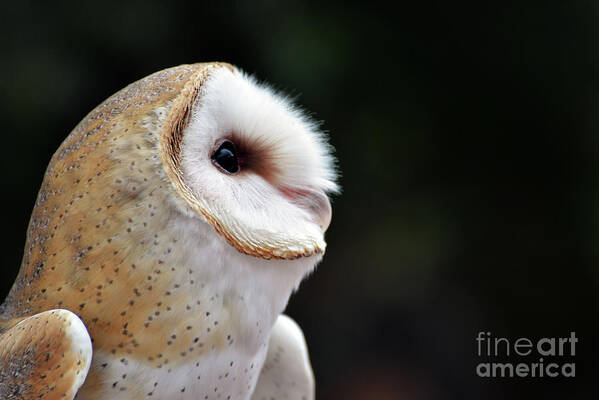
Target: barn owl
[{"x": 171, "y": 227}]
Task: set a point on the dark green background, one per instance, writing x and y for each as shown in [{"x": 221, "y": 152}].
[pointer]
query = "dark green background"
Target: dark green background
[{"x": 466, "y": 135}]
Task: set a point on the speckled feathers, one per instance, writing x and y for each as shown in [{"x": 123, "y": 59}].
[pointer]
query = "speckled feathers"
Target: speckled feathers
[{"x": 177, "y": 270}]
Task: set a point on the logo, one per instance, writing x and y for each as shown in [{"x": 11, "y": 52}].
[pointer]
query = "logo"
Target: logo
[{"x": 552, "y": 356}]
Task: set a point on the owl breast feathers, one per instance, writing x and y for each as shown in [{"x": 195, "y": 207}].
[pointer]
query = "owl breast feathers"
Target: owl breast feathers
[{"x": 171, "y": 227}]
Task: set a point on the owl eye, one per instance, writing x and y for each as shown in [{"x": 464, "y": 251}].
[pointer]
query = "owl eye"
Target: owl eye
[{"x": 226, "y": 158}]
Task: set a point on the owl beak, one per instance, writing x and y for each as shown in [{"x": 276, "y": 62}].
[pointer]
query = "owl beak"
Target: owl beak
[
  {"x": 321, "y": 209},
  {"x": 316, "y": 202}
]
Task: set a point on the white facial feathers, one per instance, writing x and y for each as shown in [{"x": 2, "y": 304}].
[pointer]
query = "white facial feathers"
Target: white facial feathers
[{"x": 278, "y": 198}]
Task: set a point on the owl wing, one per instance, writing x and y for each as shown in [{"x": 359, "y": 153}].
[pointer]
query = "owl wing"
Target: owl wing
[
  {"x": 45, "y": 356},
  {"x": 287, "y": 373}
]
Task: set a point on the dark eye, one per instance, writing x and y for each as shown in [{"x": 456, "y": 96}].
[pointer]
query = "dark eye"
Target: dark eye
[{"x": 225, "y": 156}]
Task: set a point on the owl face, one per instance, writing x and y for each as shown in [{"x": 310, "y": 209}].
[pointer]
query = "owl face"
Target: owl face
[{"x": 251, "y": 165}]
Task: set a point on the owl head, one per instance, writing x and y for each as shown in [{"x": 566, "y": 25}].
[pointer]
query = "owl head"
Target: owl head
[{"x": 196, "y": 167}]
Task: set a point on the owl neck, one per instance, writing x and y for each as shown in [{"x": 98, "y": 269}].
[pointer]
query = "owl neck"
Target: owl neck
[{"x": 246, "y": 293}]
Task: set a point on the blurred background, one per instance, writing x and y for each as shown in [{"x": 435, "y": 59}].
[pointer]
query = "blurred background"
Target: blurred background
[{"x": 467, "y": 140}]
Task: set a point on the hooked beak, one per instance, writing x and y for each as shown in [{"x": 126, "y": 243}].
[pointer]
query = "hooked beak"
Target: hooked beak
[{"x": 316, "y": 202}]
